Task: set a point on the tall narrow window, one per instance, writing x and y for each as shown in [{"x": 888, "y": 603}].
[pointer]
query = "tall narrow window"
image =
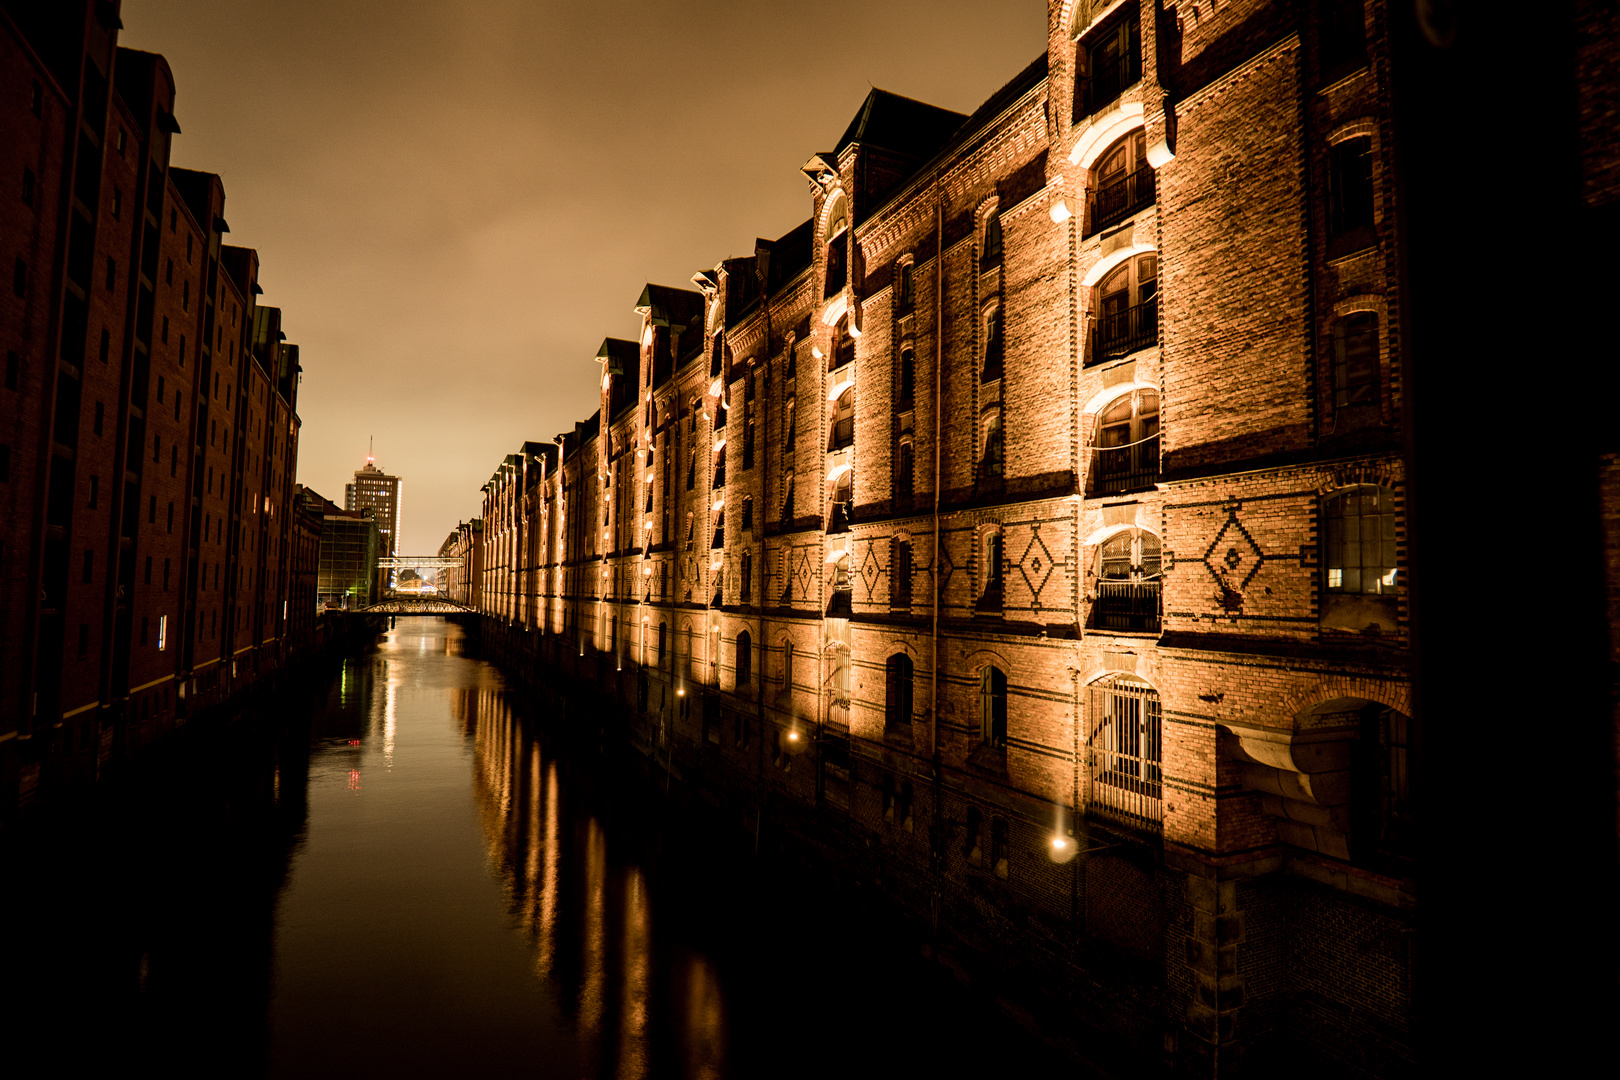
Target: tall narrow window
[
  {"x": 993, "y": 347},
  {"x": 745, "y": 659},
  {"x": 993, "y": 707},
  {"x": 1355, "y": 361},
  {"x": 748, "y": 513},
  {"x": 843, "y": 421},
  {"x": 790, "y": 434},
  {"x": 1127, "y": 309},
  {"x": 904, "y": 298},
  {"x": 1350, "y": 192},
  {"x": 1124, "y": 183},
  {"x": 1342, "y": 32},
  {"x": 897, "y": 688},
  {"x": 991, "y": 461},
  {"x": 908, "y": 378},
  {"x": 990, "y": 594},
  {"x": 991, "y": 256},
  {"x": 1108, "y": 59},
  {"x": 904, "y": 476},
  {"x": 745, "y": 589},
  {"x": 900, "y": 575}
]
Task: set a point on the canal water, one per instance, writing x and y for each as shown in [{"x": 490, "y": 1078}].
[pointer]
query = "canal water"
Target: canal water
[{"x": 398, "y": 870}]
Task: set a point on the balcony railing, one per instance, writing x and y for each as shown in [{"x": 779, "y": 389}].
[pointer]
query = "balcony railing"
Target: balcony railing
[
  {"x": 1126, "y": 605},
  {"x": 1126, "y": 331},
  {"x": 1131, "y": 467},
  {"x": 1115, "y": 202}
]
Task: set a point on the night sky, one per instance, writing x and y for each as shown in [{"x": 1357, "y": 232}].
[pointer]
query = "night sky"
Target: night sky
[{"x": 455, "y": 202}]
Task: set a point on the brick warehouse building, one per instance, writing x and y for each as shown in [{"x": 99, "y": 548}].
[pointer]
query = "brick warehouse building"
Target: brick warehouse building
[
  {"x": 148, "y": 433},
  {"x": 1044, "y": 493}
]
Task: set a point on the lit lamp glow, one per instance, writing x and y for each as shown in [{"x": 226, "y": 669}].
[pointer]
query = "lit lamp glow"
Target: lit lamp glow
[{"x": 1060, "y": 212}]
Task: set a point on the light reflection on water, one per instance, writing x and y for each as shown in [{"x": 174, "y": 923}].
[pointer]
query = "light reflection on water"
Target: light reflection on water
[{"x": 401, "y": 875}]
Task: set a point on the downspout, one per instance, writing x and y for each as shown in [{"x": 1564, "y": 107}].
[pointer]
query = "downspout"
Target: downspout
[{"x": 939, "y": 382}]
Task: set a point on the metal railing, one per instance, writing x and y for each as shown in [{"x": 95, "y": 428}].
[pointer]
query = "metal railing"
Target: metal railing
[
  {"x": 1115, "y": 202},
  {"x": 1124, "y": 754},
  {"x": 1126, "y": 605},
  {"x": 1115, "y": 469},
  {"x": 1126, "y": 331}
]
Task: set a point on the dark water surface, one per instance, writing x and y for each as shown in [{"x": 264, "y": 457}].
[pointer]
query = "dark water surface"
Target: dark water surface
[{"x": 396, "y": 872}]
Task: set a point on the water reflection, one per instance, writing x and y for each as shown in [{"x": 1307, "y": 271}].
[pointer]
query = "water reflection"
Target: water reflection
[{"x": 395, "y": 871}]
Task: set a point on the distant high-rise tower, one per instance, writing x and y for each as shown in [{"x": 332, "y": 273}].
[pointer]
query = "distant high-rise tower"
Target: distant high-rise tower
[{"x": 380, "y": 492}]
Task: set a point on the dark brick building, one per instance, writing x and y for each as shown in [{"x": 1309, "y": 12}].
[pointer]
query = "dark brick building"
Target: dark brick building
[{"x": 148, "y": 437}]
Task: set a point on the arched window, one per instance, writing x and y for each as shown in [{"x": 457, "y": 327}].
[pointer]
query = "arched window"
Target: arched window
[
  {"x": 904, "y": 396},
  {"x": 745, "y": 659},
  {"x": 991, "y": 254},
  {"x": 719, "y": 469},
  {"x": 790, "y": 425},
  {"x": 991, "y": 460},
  {"x": 993, "y": 348},
  {"x": 1127, "y": 309},
  {"x": 843, "y": 343},
  {"x": 905, "y": 468},
  {"x": 1125, "y": 750},
  {"x": 748, "y": 513},
  {"x": 1123, "y": 182},
  {"x": 787, "y": 496},
  {"x": 993, "y": 707},
  {"x": 843, "y": 491},
  {"x": 991, "y": 571},
  {"x": 900, "y": 574},
  {"x": 1126, "y": 456},
  {"x": 745, "y": 587},
  {"x": 904, "y": 296},
  {"x": 1128, "y": 582},
  {"x": 897, "y": 684},
  {"x": 837, "y": 248},
  {"x": 843, "y": 421}
]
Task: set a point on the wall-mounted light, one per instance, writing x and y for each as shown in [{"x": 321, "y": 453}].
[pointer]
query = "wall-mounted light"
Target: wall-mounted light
[{"x": 1060, "y": 212}]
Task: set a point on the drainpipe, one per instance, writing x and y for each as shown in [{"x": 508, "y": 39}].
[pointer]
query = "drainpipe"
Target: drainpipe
[{"x": 939, "y": 382}]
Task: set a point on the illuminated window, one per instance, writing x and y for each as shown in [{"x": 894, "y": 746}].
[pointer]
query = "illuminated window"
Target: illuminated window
[
  {"x": 991, "y": 459},
  {"x": 1127, "y": 309},
  {"x": 1107, "y": 60},
  {"x": 1126, "y": 455},
  {"x": 843, "y": 421},
  {"x": 900, "y": 574},
  {"x": 1123, "y": 183},
  {"x": 1359, "y": 551}
]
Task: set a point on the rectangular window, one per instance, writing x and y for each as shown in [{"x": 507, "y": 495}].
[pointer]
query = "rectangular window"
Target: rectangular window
[
  {"x": 1350, "y": 190},
  {"x": 1107, "y": 61},
  {"x": 1124, "y": 751},
  {"x": 1355, "y": 360},
  {"x": 163, "y": 632}
]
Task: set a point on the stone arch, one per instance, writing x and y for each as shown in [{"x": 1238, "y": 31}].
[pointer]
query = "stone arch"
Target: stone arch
[
  {"x": 1101, "y": 268},
  {"x": 1102, "y": 134},
  {"x": 1337, "y": 688}
]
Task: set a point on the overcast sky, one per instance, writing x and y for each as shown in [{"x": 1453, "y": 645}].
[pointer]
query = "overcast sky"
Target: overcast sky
[{"x": 454, "y": 203}]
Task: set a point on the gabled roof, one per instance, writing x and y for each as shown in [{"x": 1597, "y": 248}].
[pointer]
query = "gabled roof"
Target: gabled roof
[
  {"x": 901, "y": 124},
  {"x": 670, "y": 306}
]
